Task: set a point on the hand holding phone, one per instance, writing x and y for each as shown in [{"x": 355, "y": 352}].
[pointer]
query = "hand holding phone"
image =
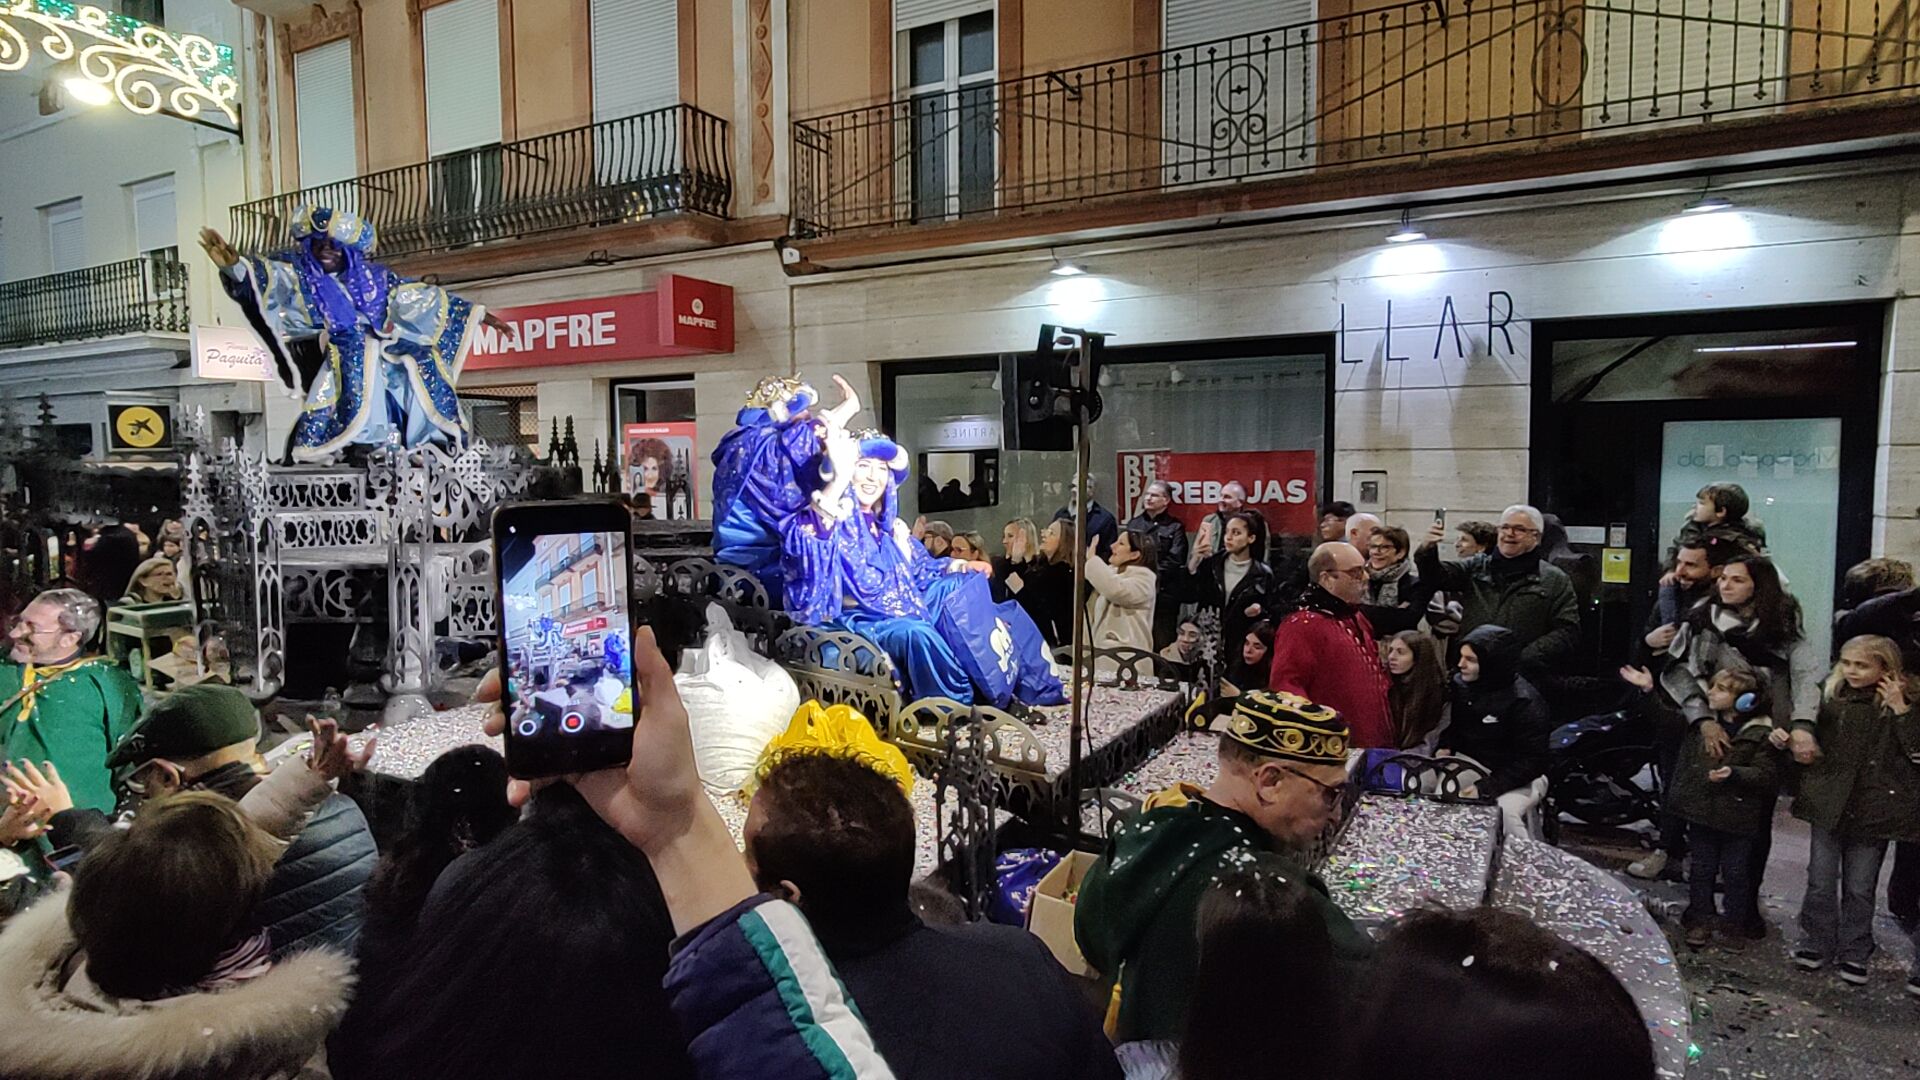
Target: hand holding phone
[{"x": 566, "y": 625}]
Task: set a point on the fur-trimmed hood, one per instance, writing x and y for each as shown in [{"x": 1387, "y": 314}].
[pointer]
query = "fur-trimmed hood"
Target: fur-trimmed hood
[{"x": 55, "y": 1024}]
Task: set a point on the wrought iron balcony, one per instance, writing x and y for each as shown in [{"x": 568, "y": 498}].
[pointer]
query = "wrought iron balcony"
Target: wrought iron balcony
[
  {"x": 630, "y": 169},
  {"x": 147, "y": 294},
  {"x": 1411, "y": 81}
]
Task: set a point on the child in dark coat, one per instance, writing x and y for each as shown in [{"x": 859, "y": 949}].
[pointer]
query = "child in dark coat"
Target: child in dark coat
[{"x": 1724, "y": 787}]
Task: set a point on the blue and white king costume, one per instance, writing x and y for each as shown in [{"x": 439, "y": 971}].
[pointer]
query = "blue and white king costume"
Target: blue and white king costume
[{"x": 371, "y": 353}]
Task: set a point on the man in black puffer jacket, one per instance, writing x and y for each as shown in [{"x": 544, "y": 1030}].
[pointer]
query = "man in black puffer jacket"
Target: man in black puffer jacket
[
  {"x": 206, "y": 738},
  {"x": 1500, "y": 721}
]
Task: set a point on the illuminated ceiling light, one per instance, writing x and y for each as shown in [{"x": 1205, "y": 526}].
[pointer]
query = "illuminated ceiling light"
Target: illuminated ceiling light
[
  {"x": 1063, "y": 268},
  {"x": 1406, "y": 233},
  {"x": 85, "y": 91},
  {"x": 1782, "y": 347},
  {"x": 145, "y": 67},
  {"x": 1706, "y": 204}
]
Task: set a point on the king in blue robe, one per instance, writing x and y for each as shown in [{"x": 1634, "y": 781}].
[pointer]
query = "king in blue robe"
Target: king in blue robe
[{"x": 370, "y": 353}]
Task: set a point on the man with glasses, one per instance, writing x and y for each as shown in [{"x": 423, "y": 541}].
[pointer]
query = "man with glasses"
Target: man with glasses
[
  {"x": 1326, "y": 651},
  {"x": 1510, "y": 586},
  {"x": 1283, "y": 780},
  {"x": 61, "y": 702}
]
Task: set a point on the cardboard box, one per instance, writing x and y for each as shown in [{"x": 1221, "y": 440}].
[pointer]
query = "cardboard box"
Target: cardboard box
[{"x": 1050, "y": 917}]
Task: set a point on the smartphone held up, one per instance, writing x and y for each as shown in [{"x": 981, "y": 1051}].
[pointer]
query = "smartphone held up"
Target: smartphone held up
[{"x": 566, "y": 635}]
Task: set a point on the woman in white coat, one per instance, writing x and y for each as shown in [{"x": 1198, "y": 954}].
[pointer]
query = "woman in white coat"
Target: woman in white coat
[{"x": 1122, "y": 609}]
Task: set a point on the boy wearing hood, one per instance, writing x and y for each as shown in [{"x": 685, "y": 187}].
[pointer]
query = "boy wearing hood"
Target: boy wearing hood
[
  {"x": 1500, "y": 721},
  {"x": 1282, "y": 775}
]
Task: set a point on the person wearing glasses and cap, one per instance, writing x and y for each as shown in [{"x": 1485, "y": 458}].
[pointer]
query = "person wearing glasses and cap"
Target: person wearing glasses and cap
[
  {"x": 1510, "y": 586},
  {"x": 1283, "y": 780},
  {"x": 61, "y": 702}
]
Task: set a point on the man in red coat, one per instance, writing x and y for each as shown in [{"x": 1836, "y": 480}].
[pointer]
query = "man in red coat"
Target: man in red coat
[{"x": 1325, "y": 652}]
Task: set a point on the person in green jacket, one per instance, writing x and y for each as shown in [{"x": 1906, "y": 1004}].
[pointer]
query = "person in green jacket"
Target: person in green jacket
[
  {"x": 61, "y": 703},
  {"x": 1859, "y": 789},
  {"x": 1510, "y": 586},
  {"x": 1282, "y": 774}
]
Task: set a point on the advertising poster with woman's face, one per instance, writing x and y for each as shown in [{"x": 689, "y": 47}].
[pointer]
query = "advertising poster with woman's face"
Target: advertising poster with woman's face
[{"x": 660, "y": 474}]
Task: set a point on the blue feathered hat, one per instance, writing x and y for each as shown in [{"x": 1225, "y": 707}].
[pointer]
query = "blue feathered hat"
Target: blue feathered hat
[
  {"x": 343, "y": 227},
  {"x": 879, "y": 447}
]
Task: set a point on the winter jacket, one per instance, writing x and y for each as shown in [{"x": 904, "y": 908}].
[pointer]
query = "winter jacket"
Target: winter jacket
[
  {"x": 1122, "y": 605},
  {"x": 1169, "y": 537},
  {"x": 1207, "y": 587},
  {"x": 1499, "y": 719},
  {"x": 1895, "y": 615},
  {"x": 1005, "y": 1007},
  {"x": 317, "y": 894},
  {"x": 74, "y": 719},
  {"x": 1046, "y": 594},
  {"x": 1135, "y": 919},
  {"x": 1326, "y": 653},
  {"x": 756, "y": 998},
  {"x": 56, "y": 1025},
  {"x": 1742, "y": 804},
  {"x": 1102, "y": 527},
  {"x": 1746, "y": 531},
  {"x": 1865, "y": 785},
  {"x": 1396, "y": 599},
  {"x": 1714, "y": 637},
  {"x": 1530, "y": 597}
]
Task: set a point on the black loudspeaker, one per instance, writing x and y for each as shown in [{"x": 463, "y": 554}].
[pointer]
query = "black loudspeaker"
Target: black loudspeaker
[{"x": 1040, "y": 395}]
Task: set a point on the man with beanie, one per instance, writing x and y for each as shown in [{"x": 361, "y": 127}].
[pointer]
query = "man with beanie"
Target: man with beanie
[
  {"x": 1282, "y": 776},
  {"x": 206, "y": 737}
]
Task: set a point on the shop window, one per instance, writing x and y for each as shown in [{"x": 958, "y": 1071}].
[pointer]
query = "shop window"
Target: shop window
[
  {"x": 1789, "y": 363},
  {"x": 1236, "y": 416},
  {"x": 948, "y": 71},
  {"x": 503, "y": 415}
]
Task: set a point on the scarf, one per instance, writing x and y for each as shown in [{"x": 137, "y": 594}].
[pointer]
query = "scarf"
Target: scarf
[
  {"x": 1506, "y": 569},
  {"x": 33, "y": 679},
  {"x": 1386, "y": 583},
  {"x": 248, "y": 958}
]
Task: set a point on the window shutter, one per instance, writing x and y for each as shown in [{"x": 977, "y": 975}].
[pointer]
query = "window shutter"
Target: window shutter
[
  {"x": 462, "y": 46},
  {"x": 66, "y": 236},
  {"x": 1626, "y": 84},
  {"x": 908, "y": 14},
  {"x": 1286, "y": 80},
  {"x": 636, "y": 56},
  {"x": 154, "y": 225},
  {"x": 323, "y": 113}
]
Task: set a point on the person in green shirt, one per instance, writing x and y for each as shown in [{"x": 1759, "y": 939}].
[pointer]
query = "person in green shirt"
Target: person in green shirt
[
  {"x": 59, "y": 701},
  {"x": 1282, "y": 773}
]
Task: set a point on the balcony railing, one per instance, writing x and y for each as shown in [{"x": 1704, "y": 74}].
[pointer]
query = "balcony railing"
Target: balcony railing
[
  {"x": 630, "y": 169},
  {"x": 591, "y": 547},
  {"x": 1400, "y": 82},
  {"x": 147, "y": 294}
]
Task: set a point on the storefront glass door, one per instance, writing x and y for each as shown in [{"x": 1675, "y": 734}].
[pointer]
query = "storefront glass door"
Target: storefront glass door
[{"x": 1791, "y": 469}]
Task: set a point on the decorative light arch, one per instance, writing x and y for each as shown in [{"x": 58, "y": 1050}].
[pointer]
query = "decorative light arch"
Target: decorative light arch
[{"x": 146, "y": 68}]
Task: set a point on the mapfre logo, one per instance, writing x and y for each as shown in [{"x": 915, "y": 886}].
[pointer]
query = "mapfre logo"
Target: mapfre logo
[{"x": 698, "y": 318}]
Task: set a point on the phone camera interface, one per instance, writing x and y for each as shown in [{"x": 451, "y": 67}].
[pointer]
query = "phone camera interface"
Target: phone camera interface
[{"x": 568, "y": 637}]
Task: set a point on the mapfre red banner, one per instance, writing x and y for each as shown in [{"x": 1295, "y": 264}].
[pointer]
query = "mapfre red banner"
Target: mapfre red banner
[
  {"x": 1279, "y": 484},
  {"x": 683, "y": 317}
]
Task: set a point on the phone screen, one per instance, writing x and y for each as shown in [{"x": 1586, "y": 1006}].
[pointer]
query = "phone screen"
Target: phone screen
[{"x": 566, "y": 638}]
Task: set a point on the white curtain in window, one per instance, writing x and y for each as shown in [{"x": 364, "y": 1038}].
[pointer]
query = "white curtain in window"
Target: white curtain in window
[
  {"x": 154, "y": 225},
  {"x": 1243, "y": 105},
  {"x": 323, "y": 113},
  {"x": 636, "y": 56},
  {"x": 66, "y": 236},
  {"x": 908, "y": 14},
  {"x": 1651, "y": 60},
  {"x": 461, "y": 42}
]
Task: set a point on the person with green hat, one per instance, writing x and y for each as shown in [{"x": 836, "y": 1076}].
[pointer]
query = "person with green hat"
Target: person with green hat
[
  {"x": 1283, "y": 771},
  {"x": 206, "y": 737}
]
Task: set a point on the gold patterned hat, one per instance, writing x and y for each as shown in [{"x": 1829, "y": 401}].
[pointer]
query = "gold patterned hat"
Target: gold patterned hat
[{"x": 1284, "y": 725}]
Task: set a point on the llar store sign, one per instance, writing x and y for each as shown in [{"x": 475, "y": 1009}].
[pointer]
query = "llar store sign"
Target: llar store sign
[
  {"x": 1278, "y": 483},
  {"x": 683, "y": 317}
]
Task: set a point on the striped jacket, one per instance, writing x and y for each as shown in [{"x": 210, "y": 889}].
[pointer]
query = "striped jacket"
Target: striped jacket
[{"x": 756, "y": 997}]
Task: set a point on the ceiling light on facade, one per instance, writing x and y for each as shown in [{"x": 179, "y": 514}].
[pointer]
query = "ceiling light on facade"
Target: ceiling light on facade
[
  {"x": 1706, "y": 204},
  {"x": 1406, "y": 233},
  {"x": 1795, "y": 346},
  {"x": 1063, "y": 268}
]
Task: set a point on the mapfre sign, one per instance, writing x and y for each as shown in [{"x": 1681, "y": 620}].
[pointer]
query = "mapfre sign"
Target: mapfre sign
[{"x": 683, "y": 317}]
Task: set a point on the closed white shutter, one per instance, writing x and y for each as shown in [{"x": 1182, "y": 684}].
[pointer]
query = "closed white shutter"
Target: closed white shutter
[
  {"x": 636, "y": 56},
  {"x": 462, "y": 46},
  {"x": 66, "y": 236},
  {"x": 1243, "y": 105},
  {"x": 1653, "y": 60},
  {"x": 323, "y": 113},
  {"x": 154, "y": 226},
  {"x": 908, "y": 14}
]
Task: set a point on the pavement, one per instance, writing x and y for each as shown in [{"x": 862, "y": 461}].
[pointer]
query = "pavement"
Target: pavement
[{"x": 1757, "y": 1016}]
